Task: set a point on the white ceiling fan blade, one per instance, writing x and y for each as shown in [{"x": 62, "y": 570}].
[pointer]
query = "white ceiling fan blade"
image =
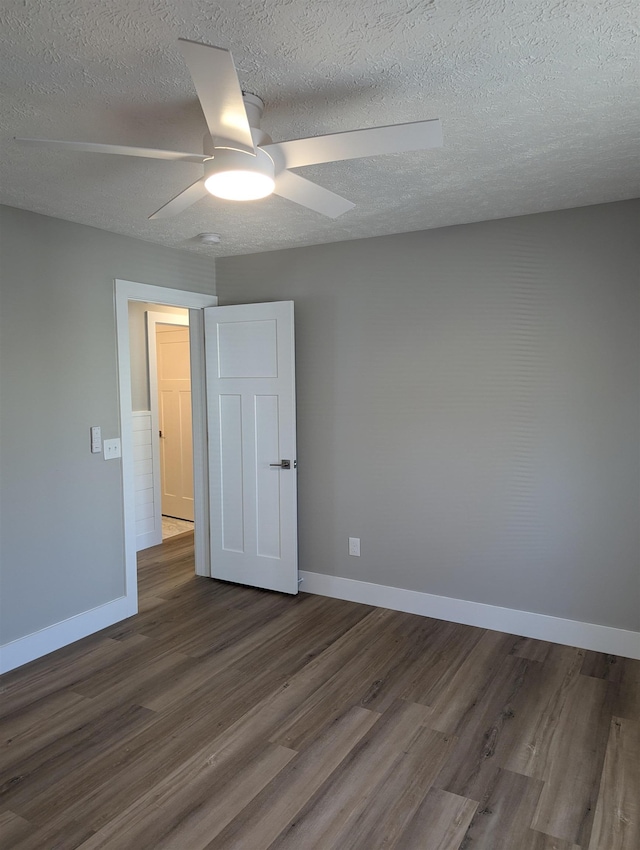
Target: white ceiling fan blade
[
  {"x": 122, "y": 150},
  {"x": 218, "y": 88},
  {"x": 185, "y": 199},
  {"x": 307, "y": 194},
  {"x": 396, "y": 138}
]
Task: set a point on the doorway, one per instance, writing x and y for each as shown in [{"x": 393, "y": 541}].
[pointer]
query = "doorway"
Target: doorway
[
  {"x": 245, "y": 503},
  {"x": 130, "y": 291}
]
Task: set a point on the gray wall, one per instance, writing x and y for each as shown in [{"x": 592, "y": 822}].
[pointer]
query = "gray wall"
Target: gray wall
[
  {"x": 61, "y": 530},
  {"x": 468, "y": 405}
]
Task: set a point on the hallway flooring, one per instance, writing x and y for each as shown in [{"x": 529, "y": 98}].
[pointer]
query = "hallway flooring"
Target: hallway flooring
[{"x": 172, "y": 526}]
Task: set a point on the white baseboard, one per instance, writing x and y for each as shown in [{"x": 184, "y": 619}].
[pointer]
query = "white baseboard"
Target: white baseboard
[
  {"x": 28, "y": 648},
  {"x": 524, "y": 623}
]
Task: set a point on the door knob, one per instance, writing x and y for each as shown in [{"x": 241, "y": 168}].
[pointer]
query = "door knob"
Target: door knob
[{"x": 284, "y": 464}]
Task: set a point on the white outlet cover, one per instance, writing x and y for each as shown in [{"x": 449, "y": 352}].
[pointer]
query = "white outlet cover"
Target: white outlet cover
[{"x": 354, "y": 546}]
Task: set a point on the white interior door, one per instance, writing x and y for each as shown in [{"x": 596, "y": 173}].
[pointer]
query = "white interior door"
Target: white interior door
[
  {"x": 174, "y": 413},
  {"x": 250, "y": 378}
]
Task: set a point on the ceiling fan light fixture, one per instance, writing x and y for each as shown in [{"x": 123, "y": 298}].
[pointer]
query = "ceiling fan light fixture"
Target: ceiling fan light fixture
[
  {"x": 239, "y": 185},
  {"x": 238, "y": 176}
]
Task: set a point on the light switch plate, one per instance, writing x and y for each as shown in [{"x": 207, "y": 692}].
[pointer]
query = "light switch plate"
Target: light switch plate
[{"x": 112, "y": 448}]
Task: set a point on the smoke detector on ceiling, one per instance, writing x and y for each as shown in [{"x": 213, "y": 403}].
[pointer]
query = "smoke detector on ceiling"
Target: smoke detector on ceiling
[{"x": 208, "y": 238}]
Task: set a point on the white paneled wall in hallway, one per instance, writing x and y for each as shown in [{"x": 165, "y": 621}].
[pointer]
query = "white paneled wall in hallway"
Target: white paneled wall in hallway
[{"x": 148, "y": 524}]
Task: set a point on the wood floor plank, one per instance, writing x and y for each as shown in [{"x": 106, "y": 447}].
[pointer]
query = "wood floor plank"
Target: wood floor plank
[
  {"x": 534, "y": 840},
  {"x": 338, "y": 806},
  {"x": 602, "y": 666},
  {"x": 135, "y": 762},
  {"x": 425, "y": 647},
  {"x": 290, "y": 642},
  {"x": 56, "y": 672},
  {"x": 440, "y": 823},
  {"x": 573, "y": 764},
  {"x": 52, "y": 836},
  {"x": 29, "y": 729},
  {"x": 534, "y": 650},
  {"x": 617, "y": 818},
  {"x": 114, "y": 683},
  {"x": 551, "y": 697},
  {"x": 226, "y": 630},
  {"x": 268, "y": 813},
  {"x": 25, "y": 787},
  {"x": 148, "y": 603},
  {"x": 165, "y": 625},
  {"x": 502, "y": 820},
  {"x": 455, "y": 696},
  {"x": 627, "y": 702},
  {"x": 13, "y": 829},
  {"x": 354, "y": 663},
  {"x": 151, "y": 681},
  {"x": 487, "y": 730},
  {"x": 443, "y": 657},
  {"x": 381, "y": 816},
  {"x": 194, "y": 803},
  {"x": 107, "y": 787},
  {"x": 545, "y": 652}
]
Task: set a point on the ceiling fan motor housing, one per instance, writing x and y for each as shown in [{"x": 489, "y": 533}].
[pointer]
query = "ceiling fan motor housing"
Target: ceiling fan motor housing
[{"x": 254, "y": 107}]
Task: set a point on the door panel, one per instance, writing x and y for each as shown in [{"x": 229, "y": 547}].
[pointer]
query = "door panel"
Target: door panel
[
  {"x": 267, "y": 484},
  {"x": 247, "y": 350},
  {"x": 231, "y": 489},
  {"x": 251, "y": 414}
]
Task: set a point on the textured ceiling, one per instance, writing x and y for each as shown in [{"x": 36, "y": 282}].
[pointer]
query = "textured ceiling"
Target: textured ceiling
[{"x": 539, "y": 101}]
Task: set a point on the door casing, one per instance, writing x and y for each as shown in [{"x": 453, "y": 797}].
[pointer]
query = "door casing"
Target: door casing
[{"x": 125, "y": 291}]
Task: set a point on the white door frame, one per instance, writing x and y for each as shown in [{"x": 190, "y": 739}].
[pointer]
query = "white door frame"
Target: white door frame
[
  {"x": 125, "y": 291},
  {"x": 153, "y": 319}
]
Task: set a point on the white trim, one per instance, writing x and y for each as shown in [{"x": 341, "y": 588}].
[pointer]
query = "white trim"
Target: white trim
[
  {"x": 47, "y": 640},
  {"x": 125, "y": 291},
  {"x": 154, "y": 318},
  {"x": 525, "y": 623}
]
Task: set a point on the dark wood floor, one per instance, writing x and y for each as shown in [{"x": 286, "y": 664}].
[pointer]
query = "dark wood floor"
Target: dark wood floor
[{"x": 226, "y": 717}]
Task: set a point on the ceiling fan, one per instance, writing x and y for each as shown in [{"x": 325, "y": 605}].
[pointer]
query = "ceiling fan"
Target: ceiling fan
[{"x": 240, "y": 160}]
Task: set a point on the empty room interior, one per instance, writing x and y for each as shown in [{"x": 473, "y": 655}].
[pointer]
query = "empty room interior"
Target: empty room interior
[{"x": 347, "y": 296}]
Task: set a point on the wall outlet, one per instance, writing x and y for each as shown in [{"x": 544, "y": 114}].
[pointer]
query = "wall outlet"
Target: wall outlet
[
  {"x": 112, "y": 448},
  {"x": 354, "y": 546}
]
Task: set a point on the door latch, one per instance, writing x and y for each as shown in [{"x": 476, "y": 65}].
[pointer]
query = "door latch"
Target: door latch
[{"x": 285, "y": 464}]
